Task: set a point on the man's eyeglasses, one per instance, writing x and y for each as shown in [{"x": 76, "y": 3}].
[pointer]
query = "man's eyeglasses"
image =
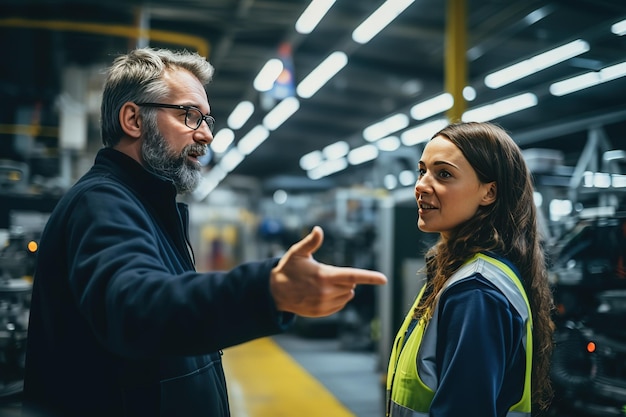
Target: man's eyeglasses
[{"x": 193, "y": 115}]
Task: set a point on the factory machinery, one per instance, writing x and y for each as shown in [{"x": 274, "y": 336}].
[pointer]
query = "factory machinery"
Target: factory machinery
[
  {"x": 589, "y": 278},
  {"x": 587, "y": 266},
  {"x": 17, "y": 260}
]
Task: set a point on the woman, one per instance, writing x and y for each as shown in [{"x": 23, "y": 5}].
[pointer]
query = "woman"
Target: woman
[{"x": 478, "y": 339}]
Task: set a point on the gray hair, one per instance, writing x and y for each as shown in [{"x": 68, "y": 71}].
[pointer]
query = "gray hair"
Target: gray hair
[{"x": 137, "y": 77}]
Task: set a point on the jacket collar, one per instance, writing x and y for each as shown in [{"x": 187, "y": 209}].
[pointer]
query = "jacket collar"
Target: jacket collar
[{"x": 151, "y": 187}]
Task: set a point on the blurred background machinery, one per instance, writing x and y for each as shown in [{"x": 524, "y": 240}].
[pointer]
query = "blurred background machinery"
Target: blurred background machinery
[
  {"x": 589, "y": 278},
  {"x": 17, "y": 260},
  {"x": 393, "y": 92},
  {"x": 22, "y": 218}
]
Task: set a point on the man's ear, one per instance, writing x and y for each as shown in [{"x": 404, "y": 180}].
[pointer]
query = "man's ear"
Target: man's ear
[
  {"x": 130, "y": 121},
  {"x": 490, "y": 195}
]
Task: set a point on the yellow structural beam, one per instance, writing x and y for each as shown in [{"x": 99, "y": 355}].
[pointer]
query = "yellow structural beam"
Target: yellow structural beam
[
  {"x": 456, "y": 61},
  {"x": 32, "y": 130},
  {"x": 196, "y": 43}
]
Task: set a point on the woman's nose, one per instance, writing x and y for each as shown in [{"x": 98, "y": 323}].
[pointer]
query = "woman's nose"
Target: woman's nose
[{"x": 422, "y": 183}]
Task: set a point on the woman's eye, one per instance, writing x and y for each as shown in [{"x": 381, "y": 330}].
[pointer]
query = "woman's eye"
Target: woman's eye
[
  {"x": 421, "y": 172},
  {"x": 444, "y": 174}
]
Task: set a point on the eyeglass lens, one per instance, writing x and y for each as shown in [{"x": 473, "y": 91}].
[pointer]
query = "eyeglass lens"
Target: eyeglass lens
[{"x": 194, "y": 119}]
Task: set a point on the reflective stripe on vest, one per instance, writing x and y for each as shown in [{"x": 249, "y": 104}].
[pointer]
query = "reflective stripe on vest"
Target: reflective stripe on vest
[
  {"x": 399, "y": 411},
  {"x": 411, "y": 388}
]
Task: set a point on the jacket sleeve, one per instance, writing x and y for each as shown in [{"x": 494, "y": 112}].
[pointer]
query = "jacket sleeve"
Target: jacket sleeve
[
  {"x": 480, "y": 357},
  {"x": 137, "y": 306}
]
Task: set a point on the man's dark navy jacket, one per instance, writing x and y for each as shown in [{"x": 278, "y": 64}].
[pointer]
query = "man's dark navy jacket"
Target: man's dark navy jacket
[{"x": 121, "y": 324}]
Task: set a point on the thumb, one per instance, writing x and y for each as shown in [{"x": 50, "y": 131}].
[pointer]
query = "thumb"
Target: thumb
[{"x": 309, "y": 244}]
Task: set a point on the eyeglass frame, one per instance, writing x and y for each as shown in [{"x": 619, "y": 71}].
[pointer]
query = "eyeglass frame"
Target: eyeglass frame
[{"x": 210, "y": 120}]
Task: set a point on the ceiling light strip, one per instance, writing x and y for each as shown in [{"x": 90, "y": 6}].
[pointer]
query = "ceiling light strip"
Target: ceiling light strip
[
  {"x": 500, "y": 108},
  {"x": 312, "y": 15},
  {"x": 279, "y": 114},
  {"x": 588, "y": 79},
  {"x": 322, "y": 74},
  {"x": 535, "y": 64},
  {"x": 378, "y": 20}
]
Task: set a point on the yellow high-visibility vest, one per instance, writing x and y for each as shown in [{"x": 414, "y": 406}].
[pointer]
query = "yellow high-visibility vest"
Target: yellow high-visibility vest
[{"x": 411, "y": 381}]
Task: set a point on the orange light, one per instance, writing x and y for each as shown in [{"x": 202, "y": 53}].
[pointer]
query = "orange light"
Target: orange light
[
  {"x": 591, "y": 347},
  {"x": 32, "y": 246}
]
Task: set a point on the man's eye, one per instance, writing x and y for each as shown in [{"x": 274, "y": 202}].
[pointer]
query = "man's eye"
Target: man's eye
[{"x": 194, "y": 116}]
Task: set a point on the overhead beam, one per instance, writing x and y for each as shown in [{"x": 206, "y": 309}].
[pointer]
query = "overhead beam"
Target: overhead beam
[{"x": 175, "y": 38}]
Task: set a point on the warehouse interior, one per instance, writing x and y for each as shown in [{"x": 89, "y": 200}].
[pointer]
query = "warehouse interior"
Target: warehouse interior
[{"x": 355, "y": 90}]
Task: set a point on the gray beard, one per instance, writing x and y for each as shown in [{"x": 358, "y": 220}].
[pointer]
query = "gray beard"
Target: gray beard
[{"x": 159, "y": 159}]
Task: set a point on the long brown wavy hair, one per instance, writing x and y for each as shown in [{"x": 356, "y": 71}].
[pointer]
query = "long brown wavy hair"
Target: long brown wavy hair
[{"x": 507, "y": 227}]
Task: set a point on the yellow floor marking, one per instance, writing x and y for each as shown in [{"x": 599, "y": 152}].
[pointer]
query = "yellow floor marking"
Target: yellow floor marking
[{"x": 264, "y": 381}]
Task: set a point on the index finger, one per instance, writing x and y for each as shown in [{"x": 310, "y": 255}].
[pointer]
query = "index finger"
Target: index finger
[{"x": 348, "y": 275}]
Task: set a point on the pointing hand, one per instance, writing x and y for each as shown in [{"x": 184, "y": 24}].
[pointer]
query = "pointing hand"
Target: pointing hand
[{"x": 301, "y": 285}]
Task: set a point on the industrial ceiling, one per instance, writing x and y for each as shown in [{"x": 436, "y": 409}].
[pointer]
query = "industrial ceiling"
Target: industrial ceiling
[{"x": 408, "y": 62}]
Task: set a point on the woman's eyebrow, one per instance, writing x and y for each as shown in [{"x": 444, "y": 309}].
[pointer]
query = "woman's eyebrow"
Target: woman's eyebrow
[{"x": 445, "y": 163}]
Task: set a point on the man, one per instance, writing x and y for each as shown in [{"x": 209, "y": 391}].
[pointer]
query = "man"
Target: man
[{"x": 120, "y": 322}]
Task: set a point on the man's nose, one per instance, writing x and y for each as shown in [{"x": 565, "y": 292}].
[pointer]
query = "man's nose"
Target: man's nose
[{"x": 203, "y": 134}]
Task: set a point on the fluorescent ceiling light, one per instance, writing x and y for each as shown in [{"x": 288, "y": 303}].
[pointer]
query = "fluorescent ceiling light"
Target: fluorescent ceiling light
[
  {"x": 216, "y": 173},
  {"x": 280, "y": 197},
  {"x": 601, "y": 180},
  {"x": 222, "y": 140},
  {"x": 432, "y": 106},
  {"x": 265, "y": 79},
  {"x": 252, "y": 139},
  {"x": 208, "y": 183},
  {"x": 588, "y": 79},
  {"x": 500, "y": 108},
  {"x": 388, "y": 144},
  {"x": 283, "y": 111},
  {"x": 231, "y": 160},
  {"x": 619, "y": 28},
  {"x": 378, "y": 20},
  {"x": 537, "y": 63},
  {"x": 240, "y": 115},
  {"x": 423, "y": 132},
  {"x": 312, "y": 15},
  {"x": 619, "y": 180},
  {"x": 336, "y": 150},
  {"x": 362, "y": 154},
  {"x": 407, "y": 177},
  {"x": 385, "y": 127},
  {"x": 390, "y": 181},
  {"x": 328, "y": 168},
  {"x": 614, "y": 155},
  {"x": 536, "y": 15},
  {"x": 320, "y": 75},
  {"x": 203, "y": 189},
  {"x": 311, "y": 160},
  {"x": 469, "y": 93},
  {"x": 559, "y": 208}
]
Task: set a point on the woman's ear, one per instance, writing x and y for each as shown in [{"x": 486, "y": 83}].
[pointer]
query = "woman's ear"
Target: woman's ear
[
  {"x": 130, "y": 120},
  {"x": 491, "y": 192}
]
